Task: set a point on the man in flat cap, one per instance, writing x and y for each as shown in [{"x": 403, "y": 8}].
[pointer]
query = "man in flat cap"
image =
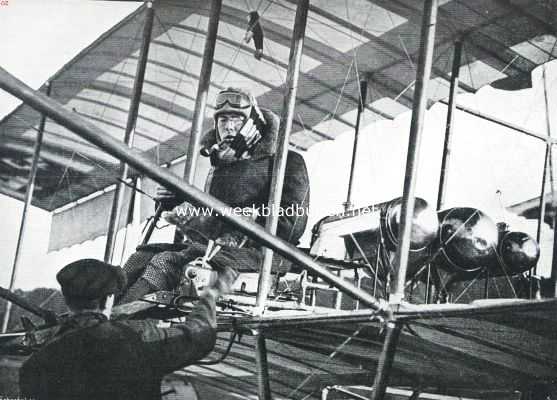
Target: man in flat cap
[{"x": 91, "y": 357}]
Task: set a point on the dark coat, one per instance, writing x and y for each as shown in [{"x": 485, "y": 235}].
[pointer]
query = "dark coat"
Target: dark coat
[
  {"x": 243, "y": 183},
  {"x": 90, "y": 357},
  {"x": 246, "y": 183}
]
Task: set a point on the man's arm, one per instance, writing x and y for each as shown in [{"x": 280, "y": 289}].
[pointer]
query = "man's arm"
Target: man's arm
[
  {"x": 172, "y": 348},
  {"x": 182, "y": 344},
  {"x": 29, "y": 379}
]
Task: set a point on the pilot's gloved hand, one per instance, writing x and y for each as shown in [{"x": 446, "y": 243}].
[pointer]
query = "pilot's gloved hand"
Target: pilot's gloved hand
[
  {"x": 167, "y": 199},
  {"x": 236, "y": 238},
  {"x": 225, "y": 281},
  {"x": 181, "y": 214},
  {"x": 230, "y": 239},
  {"x": 241, "y": 145},
  {"x": 248, "y": 136}
]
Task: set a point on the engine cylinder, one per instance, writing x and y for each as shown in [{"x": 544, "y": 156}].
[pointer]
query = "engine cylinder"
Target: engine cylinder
[{"x": 467, "y": 240}]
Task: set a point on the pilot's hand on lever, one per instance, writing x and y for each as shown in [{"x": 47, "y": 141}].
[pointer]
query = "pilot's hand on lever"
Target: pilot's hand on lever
[
  {"x": 180, "y": 215},
  {"x": 246, "y": 139},
  {"x": 167, "y": 199},
  {"x": 224, "y": 283},
  {"x": 229, "y": 239}
]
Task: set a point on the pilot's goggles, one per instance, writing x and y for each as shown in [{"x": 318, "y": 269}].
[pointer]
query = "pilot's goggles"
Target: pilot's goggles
[{"x": 234, "y": 99}]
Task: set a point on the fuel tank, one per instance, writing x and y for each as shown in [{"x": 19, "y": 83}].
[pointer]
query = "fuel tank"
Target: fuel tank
[
  {"x": 424, "y": 224},
  {"x": 358, "y": 233}
]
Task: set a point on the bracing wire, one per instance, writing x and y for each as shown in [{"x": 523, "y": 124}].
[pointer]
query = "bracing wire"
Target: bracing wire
[
  {"x": 66, "y": 169},
  {"x": 330, "y": 357},
  {"x": 184, "y": 64},
  {"x": 92, "y": 161},
  {"x": 61, "y": 180},
  {"x": 239, "y": 45},
  {"x": 513, "y": 34}
]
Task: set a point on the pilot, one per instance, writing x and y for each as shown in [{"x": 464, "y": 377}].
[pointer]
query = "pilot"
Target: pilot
[
  {"x": 241, "y": 148},
  {"x": 90, "y": 356}
]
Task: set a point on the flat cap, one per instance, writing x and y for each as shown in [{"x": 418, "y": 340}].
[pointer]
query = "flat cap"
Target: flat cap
[{"x": 91, "y": 279}]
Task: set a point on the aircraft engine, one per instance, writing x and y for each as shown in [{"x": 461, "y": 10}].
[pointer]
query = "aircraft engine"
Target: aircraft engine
[
  {"x": 467, "y": 240},
  {"x": 518, "y": 252}
]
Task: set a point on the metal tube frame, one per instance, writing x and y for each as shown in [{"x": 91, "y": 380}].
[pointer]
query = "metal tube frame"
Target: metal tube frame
[
  {"x": 554, "y": 258},
  {"x": 445, "y": 161},
  {"x": 423, "y": 74},
  {"x": 137, "y": 160},
  {"x": 204, "y": 84},
  {"x": 279, "y": 166},
  {"x": 202, "y": 92},
  {"x": 11, "y": 297},
  {"x": 497, "y": 121},
  {"x": 340, "y": 389},
  {"x": 552, "y": 182},
  {"x": 26, "y": 205},
  {"x": 549, "y": 135},
  {"x": 386, "y": 359},
  {"x": 129, "y": 133},
  {"x": 263, "y": 385},
  {"x": 361, "y": 104},
  {"x": 277, "y": 183},
  {"x": 541, "y": 215}
]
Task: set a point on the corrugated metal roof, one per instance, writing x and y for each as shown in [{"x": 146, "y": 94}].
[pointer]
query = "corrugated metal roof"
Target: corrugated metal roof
[{"x": 377, "y": 40}]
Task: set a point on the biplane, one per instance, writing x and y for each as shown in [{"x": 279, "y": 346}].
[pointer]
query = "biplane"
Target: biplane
[{"x": 376, "y": 307}]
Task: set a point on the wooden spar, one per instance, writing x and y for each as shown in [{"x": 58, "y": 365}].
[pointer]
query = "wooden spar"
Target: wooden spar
[
  {"x": 445, "y": 161},
  {"x": 386, "y": 359},
  {"x": 348, "y": 203},
  {"x": 200, "y": 101},
  {"x": 361, "y": 104},
  {"x": 501, "y": 122},
  {"x": 47, "y": 315},
  {"x": 300, "y": 318},
  {"x": 340, "y": 389},
  {"x": 541, "y": 215},
  {"x": 129, "y": 133},
  {"x": 26, "y": 205},
  {"x": 554, "y": 258},
  {"x": 546, "y": 165},
  {"x": 423, "y": 73},
  {"x": 279, "y": 166},
  {"x": 277, "y": 182},
  {"x": 137, "y": 160},
  {"x": 202, "y": 92},
  {"x": 552, "y": 182},
  {"x": 263, "y": 385},
  {"x": 494, "y": 306}
]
